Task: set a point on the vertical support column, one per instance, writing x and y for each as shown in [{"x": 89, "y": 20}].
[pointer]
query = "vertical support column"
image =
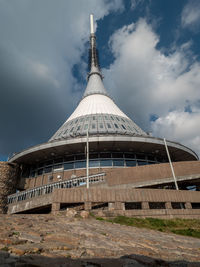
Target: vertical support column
[
  {"x": 188, "y": 205},
  {"x": 87, "y": 205},
  {"x": 168, "y": 205},
  {"x": 55, "y": 207},
  {"x": 119, "y": 205},
  {"x": 111, "y": 206},
  {"x": 145, "y": 205}
]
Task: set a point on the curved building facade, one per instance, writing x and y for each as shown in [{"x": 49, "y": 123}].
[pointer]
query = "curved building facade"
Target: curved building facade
[{"x": 116, "y": 143}]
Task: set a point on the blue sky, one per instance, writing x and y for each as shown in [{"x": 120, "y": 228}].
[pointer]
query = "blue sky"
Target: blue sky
[{"x": 149, "y": 54}]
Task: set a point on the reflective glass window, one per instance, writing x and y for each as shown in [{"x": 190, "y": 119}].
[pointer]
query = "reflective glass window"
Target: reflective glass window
[
  {"x": 94, "y": 163},
  {"x": 69, "y": 166},
  {"x": 81, "y": 156},
  {"x": 129, "y": 155},
  {"x": 112, "y": 118},
  {"x": 68, "y": 158},
  {"x": 105, "y": 155},
  {"x": 81, "y": 119},
  {"x": 32, "y": 174},
  {"x": 130, "y": 163},
  {"x": 87, "y": 119},
  {"x": 40, "y": 171},
  {"x": 58, "y": 166},
  {"x": 122, "y": 119},
  {"x": 76, "y": 121},
  {"x": 34, "y": 167},
  {"x": 123, "y": 127},
  {"x": 140, "y": 156},
  {"x": 118, "y": 162},
  {"x": 151, "y": 162},
  {"x": 106, "y": 117},
  {"x": 80, "y": 164},
  {"x": 106, "y": 162},
  {"x": 101, "y": 125},
  {"x": 117, "y": 155},
  {"x": 93, "y": 117},
  {"x": 49, "y": 162},
  {"x": 59, "y": 160},
  {"x": 151, "y": 157},
  {"x": 94, "y": 156},
  {"x": 48, "y": 169},
  {"x": 78, "y": 128},
  {"x": 116, "y": 126},
  {"x": 71, "y": 129},
  {"x": 140, "y": 163},
  {"x": 86, "y": 127},
  {"x": 117, "y": 118},
  {"x": 40, "y": 165},
  {"x": 108, "y": 124},
  {"x": 93, "y": 126}
]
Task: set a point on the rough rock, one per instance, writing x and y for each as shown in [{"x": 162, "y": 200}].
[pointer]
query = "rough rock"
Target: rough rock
[
  {"x": 43, "y": 240},
  {"x": 84, "y": 214},
  {"x": 71, "y": 213}
]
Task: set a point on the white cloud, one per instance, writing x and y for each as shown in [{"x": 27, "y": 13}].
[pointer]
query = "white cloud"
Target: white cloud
[
  {"x": 181, "y": 126},
  {"x": 190, "y": 17},
  {"x": 39, "y": 45},
  {"x": 135, "y": 3},
  {"x": 146, "y": 81}
]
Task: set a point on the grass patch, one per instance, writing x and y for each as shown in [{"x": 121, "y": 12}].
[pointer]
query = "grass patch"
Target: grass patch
[
  {"x": 15, "y": 233},
  {"x": 100, "y": 219},
  {"x": 4, "y": 249},
  {"x": 187, "y": 227},
  {"x": 188, "y": 232}
]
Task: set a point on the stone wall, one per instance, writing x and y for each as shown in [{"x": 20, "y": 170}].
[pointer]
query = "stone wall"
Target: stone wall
[
  {"x": 175, "y": 204},
  {"x": 125, "y": 176},
  {"x": 9, "y": 173}
]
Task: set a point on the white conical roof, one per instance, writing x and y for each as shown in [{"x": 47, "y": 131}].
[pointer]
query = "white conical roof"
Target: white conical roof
[
  {"x": 95, "y": 84},
  {"x": 96, "y": 112},
  {"x": 96, "y": 101}
]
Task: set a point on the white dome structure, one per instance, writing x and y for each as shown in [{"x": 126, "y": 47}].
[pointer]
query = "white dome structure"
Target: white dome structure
[{"x": 96, "y": 113}]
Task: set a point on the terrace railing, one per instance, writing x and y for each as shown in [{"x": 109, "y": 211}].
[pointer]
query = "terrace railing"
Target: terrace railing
[{"x": 49, "y": 188}]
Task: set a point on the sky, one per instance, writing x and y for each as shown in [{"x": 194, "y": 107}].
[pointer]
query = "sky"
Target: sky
[{"x": 149, "y": 54}]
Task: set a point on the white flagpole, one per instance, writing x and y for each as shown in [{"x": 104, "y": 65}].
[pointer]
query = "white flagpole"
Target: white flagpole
[
  {"x": 172, "y": 169},
  {"x": 87, "y": 162}
]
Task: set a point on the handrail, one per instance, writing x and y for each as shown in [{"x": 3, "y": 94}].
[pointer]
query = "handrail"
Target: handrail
[{"x": 49, "y": 188}]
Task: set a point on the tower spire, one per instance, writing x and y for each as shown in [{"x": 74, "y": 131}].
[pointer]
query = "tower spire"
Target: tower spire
[
  {"x": 95, "y": 77},
  {"x": 93, "y": 52},
  {"x": 91, "y": 24}
]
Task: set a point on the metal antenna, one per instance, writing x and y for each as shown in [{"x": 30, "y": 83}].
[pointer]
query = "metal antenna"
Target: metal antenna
[
  {"x": 91, "y": 24},
  {"x": 93, "y": 63}
]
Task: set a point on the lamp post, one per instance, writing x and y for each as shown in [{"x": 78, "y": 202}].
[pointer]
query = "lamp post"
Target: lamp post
[{"x": 87, "y": 160}]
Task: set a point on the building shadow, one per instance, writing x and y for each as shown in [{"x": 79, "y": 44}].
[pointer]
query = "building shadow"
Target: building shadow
[{"x": 33, "y": 260}]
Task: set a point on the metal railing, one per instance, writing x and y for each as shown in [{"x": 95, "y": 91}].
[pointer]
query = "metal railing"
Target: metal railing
[{"x": 49, "y": 188}]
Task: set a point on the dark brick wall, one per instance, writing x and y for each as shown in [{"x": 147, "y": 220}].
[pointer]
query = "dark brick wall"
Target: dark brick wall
[{"x": 9, "y": 173}]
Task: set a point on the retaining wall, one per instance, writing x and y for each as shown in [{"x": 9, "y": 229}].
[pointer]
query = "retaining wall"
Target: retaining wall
[{"x": 9, "y": 175}]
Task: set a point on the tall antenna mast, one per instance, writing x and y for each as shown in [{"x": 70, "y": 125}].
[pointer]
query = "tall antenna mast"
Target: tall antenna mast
[
  {"x": 93, "y": 53},
  {"x": 91, "y": 24}
]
